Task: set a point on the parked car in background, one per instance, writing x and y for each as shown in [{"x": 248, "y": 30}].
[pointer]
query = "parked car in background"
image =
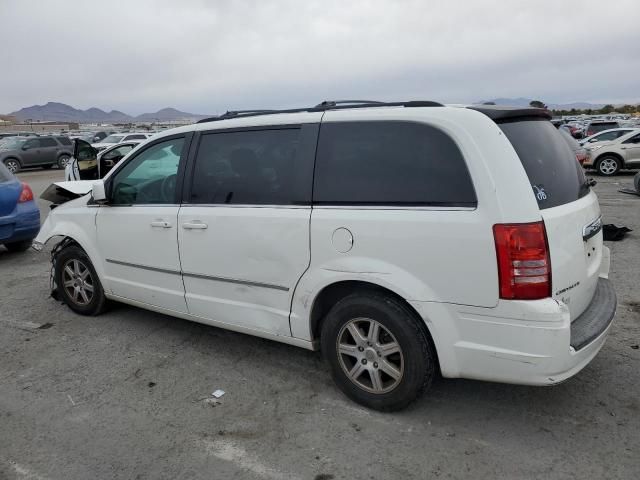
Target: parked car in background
[
  {"x": 608, "y": 158},
  {"x": 489, "y": 265},
  {"x": 19, "y": 213},
  {"x": 606, "y": 135},
  {"x": 579, "y": 151},
  {"x": 95, "y": 137},
  {"x": 116, "y": 138},
  {"x": 597, "y": 126},
  {"x": 90, "y": 164},
  {"x": 44, "y": 151}
]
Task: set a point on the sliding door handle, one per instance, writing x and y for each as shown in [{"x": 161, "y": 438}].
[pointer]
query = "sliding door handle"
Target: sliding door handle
[
  {"x": 195, "y": 225},
  {"x": 160, "y": 224}
]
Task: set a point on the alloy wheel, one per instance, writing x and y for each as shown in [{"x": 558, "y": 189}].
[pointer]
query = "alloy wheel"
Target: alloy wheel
[
  {"x": 77, "y": 282},
  {"x": 608, "y": 166},
  {"x": 12, "y": 166},
  {"x": 370, "y": 355}
]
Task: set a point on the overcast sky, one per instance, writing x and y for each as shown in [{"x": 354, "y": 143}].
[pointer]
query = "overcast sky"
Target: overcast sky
[{"x": 206, "y": 56}]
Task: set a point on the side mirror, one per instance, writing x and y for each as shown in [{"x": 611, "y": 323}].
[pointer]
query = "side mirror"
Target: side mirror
[{"x": 98, "y": 192}]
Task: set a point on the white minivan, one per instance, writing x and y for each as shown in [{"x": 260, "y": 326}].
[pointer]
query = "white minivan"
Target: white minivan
[{"x": 402, "y": 239}]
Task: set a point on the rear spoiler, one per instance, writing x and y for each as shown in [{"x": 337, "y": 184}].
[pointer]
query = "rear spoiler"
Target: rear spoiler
[
  {"x": 504, "y": 114},
  {"x": 61, "y": 192}
]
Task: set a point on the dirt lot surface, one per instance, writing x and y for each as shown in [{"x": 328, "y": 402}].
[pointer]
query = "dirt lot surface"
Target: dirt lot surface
[{"x": 128, "y": 395}]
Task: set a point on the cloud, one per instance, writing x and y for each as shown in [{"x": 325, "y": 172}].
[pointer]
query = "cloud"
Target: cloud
[{"x": 206, "y": 56}]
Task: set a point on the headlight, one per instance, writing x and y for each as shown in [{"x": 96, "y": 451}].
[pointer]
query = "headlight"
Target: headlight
[{"x": 595, "y": 147}]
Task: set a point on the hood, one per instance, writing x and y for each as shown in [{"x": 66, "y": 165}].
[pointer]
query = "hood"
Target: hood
[{"x": 61, "y": 192}]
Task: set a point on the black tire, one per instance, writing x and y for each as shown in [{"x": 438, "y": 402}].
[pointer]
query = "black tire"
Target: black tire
[
  {"x": 416, "y": 361},
  {"x": 63, "y": 160},
  {"x": 12, "y": 164},
  {"x": 19, "y": 246},
  {"x": 636, "y": 182},
  {"x": 97, "y": 302},
  {"x": 608, "y": 165}
]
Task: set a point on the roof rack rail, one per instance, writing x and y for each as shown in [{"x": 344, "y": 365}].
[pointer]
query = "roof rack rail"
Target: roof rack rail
[
  {"x": 323, "y": 107},
  {"x": 333, "y": 103}
]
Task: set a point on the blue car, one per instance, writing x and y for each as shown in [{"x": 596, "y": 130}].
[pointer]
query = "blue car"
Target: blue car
[{"x": 19, "y": 214}]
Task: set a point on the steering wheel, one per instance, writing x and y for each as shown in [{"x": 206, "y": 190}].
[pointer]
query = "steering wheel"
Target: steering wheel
[{"x": 168, "y": 188}]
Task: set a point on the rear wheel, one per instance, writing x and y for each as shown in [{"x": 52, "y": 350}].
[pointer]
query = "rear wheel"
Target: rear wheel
[
  {"x": 63, "y": 160},
  {"x": 18, "y": 246},
  {"x": 77, "y": 282},
  {"x": 379, "y": 354},
  {"x": 608, "y": 166},
  {"x": 12, "y": 165}
]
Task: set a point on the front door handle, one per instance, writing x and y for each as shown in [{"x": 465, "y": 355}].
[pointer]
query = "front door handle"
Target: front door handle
[
  {"x": 195, "y": 225},
  {"x": 161, "y": 224}
]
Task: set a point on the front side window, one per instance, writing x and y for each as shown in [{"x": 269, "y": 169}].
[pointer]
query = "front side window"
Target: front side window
[
  {"x": 33, "y": 143},
  {"x": 150, "y": 177},
  {"x": 117, "y": 153},
  {"x": 390, "y": 163},
  {"x": 256, "y": 167}
]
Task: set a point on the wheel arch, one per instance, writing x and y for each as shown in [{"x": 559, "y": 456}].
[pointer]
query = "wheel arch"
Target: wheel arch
[
  {"x": 334, "y": 292},
  {"x": 12, "y": 157},
  {"x": 615, "y": 155}
]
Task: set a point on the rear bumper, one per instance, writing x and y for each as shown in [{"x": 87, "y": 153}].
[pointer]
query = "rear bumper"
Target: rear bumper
[
  {"x": 22, "y": 224},
  {"x": 528, "y": 343}
]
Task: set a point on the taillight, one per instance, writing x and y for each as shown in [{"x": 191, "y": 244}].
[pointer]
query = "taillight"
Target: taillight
[
  {"x": 581, "y": 157},
  {"x": 524, "y": 268},
  {"x": 26, "y": 195}
]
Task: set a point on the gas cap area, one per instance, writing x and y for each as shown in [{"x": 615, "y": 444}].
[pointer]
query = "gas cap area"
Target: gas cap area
[{"x": 342, "y": 240}]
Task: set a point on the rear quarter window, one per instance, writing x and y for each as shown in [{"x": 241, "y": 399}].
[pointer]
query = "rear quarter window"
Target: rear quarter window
[
  {"x": 64, "y": 141},
  {"x": 390, "y": 163},
  {"x": 556, "y": 176}
]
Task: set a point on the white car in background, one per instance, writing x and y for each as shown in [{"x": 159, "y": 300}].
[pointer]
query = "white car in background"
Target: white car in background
[
  {"x": 98, "y": 163},
  {"x": 116, "y": 138},
  {"x": 607, "y": 135}
]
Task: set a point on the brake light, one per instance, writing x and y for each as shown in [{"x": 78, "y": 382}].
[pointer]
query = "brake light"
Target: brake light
[
  {"x": 524, "y": 267},
  {"x": 26, "y": 195},
  {"x": 581, "y": 157}
]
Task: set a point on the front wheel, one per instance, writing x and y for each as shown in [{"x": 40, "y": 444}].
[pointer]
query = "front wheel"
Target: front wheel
[
  {"x": 63, "y": 160},
  {"x": 379, "y": 353},
  {"x": 608, "y": 166},
  {"x": 12, "y": 165},
  {"x": 77, "y": 282}
]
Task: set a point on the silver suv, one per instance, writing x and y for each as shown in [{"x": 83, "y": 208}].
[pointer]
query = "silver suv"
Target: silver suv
[
  {"x": 609, "y": 157},
  {"x": 46, "y": 152}
]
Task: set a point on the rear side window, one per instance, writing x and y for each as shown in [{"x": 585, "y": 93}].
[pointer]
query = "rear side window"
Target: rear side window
[
  {"x": 64, "y": 141},
  {"x": 48, "y": 142},
  {"x": 390, "y": 163},
  {"x": 252, "y": 167},
  {"x": 556, "y": 176}
]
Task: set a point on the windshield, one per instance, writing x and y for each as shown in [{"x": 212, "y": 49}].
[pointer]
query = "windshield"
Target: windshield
[
  {"x": 556, "y": 176},
  {"x": 12, "y": 143},
  {"x": 113, "y": 139}
]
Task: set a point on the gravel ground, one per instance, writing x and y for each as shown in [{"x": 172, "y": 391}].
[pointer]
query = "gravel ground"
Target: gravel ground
[{"x": 127, "y": 395}]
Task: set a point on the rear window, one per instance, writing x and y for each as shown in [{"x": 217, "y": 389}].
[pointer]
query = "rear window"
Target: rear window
[
  {"x": 5, "y": 174},
  {"x": 390, "y": 163},
  {"x": 556, "y": 176}
]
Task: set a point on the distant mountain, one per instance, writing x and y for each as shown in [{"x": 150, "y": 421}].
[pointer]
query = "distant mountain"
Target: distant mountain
[
  {"x": 524, "y": 102},
  {"x": 54, "y": 111}
]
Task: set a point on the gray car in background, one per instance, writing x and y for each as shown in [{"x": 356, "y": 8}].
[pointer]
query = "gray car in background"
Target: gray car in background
[{"x": 45, "y": 151}]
